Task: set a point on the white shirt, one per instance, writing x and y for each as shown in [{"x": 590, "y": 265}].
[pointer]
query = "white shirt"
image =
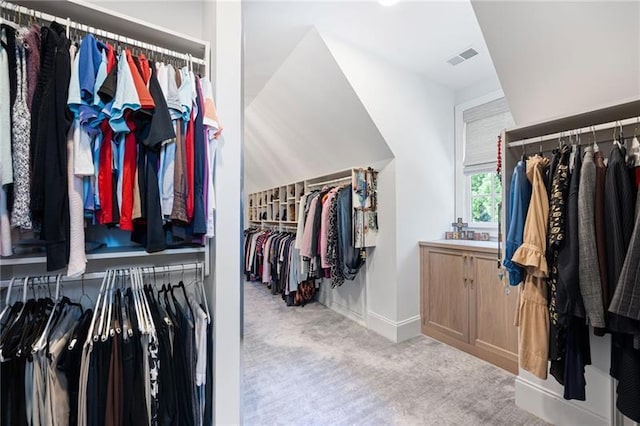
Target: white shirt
[
  {"x": 6, "y": 160},
  {"x": 173, "y": 95}
]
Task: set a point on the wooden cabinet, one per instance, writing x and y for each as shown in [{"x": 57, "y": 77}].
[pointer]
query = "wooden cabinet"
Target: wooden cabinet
[
  {"x": 446, "y": 303},
  {"x": 463, "y": 303}
]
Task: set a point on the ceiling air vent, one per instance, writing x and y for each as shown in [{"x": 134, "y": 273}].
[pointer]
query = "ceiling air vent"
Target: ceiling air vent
[
  {"x": 463, "y": 56},
  {"x": 455, "y": 60},
  {"x": 469, "y": 53}
]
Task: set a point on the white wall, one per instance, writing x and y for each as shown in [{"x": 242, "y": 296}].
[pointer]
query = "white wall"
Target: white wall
[
  {"x": 349, "y": 299},
  {"x": 307, "y": 122},
  {"x": 478, "y": 90},
  {"x": 415, "y": 117},
  {"x": 229, "y": 197},
  {"x": 183, "y": 16},
  {"x": 562, "y": 57}
]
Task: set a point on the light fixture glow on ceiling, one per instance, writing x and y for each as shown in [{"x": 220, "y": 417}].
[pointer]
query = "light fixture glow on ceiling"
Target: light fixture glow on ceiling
[{"x": 388, "y": 3}]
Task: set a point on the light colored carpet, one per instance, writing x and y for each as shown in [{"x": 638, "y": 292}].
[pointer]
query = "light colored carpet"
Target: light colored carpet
[{"x": 312, "y": 366}]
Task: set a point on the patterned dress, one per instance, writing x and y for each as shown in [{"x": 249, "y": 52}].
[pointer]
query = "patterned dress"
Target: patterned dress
[
  {"x": 557, "y": 216},
  {"x": 21, "y": 215}
]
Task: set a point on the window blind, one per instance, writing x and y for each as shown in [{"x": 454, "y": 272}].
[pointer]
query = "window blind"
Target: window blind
[{"x": 483, "y": 124}]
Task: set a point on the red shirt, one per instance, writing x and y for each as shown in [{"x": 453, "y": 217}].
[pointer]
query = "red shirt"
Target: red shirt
[
  {"x": 111, "y": 58},
  {"x": 105, "y": 175},
  {"x": 146, "y": 101},
  {"x": 128, "y": 179},
  {"x": 146, "y": 69}
]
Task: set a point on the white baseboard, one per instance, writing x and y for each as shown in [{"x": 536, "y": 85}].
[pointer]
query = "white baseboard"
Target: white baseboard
[
  {"x": 552, "y": 408},
  {"x": 341, "y": 309},
  {"x": 408, "y": 328},
  {"x": 392, "y": 330}
]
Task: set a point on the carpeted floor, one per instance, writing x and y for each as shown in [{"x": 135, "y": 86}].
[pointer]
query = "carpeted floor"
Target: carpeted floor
[{"x": 312, "y": 366}]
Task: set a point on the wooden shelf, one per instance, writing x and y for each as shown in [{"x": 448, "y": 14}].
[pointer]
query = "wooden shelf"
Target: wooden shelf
[
  {"x": 606, "y": 114},
  {"x": 103, "y": 253},
  {"x": 105, "y": 19}
]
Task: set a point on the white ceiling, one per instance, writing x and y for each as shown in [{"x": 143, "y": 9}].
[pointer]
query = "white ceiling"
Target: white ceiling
[
  {"x": 563, "y": 57},
  {"x": 419, "y": 36}
]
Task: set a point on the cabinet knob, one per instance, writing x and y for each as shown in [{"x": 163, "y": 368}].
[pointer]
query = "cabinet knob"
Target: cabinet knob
[{"x": 464, "y": 282}]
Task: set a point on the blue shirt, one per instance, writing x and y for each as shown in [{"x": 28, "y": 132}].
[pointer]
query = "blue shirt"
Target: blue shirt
[{"x": 519, "y": 198}]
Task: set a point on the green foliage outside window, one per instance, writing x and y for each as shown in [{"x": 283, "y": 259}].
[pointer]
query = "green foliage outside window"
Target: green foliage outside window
[{"x": 485, "y": 197}]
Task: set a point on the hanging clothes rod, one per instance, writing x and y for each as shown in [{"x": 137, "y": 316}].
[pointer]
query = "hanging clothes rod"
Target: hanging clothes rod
[
  {"x": 585, "y": 131},
  {"x": 17, "y": 9},
  {"x": 181, "y": 267},
  {"x": 346, "y": 178}
]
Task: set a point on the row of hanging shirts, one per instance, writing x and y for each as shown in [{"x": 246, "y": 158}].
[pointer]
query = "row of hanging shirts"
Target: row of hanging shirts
[
  {"x": 572, "y": 245},
  {"x": 574, "y": 139},
  {"x": 62, "y": 364}
]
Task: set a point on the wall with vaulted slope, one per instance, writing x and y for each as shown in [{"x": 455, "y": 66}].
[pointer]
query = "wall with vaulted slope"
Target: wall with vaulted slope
[
  {"x": 562, "y": 57},
  {"x": 307, "y": 121},
  {"x": 416, "y": 119}
]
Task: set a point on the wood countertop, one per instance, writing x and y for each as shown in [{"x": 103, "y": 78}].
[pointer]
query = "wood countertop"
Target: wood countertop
[{"x": 483, "y": 246}]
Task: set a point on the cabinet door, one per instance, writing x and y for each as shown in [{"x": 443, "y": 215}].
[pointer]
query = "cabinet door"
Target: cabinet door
[
  {"x": 492, "y": 310},
  {"x": 445, "y": 298}
]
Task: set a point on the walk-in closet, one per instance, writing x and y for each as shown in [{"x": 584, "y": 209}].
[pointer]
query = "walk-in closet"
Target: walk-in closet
[{"x": 373, "y": 212}]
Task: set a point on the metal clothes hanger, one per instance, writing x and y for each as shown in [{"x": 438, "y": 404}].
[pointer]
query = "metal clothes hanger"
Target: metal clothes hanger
[
  {"x": 136, "y": 294},
  {"x": 596, "y": 148},
  {"x": 152, "y": 326},
  {"x": 84, "y": 293},
  {"x": 615, "y": 136},
  {"x": 43, "y": 341},
  {"x": 90, "y": 334},
  {"x": 184, "y": 292},
  {"x": 109, "y": 329},
  {"x": 633, "y": 152},
  {"x": 103, "y": 308},
  {"x": 24, "y": 297},
  {"x": 36, "y": 283},
  {"x": 204, "y": 294},
  {"x": 103, "y": 293},
  {"x": 540, "y": 152},
  {"x": 7, "y": 299},
  {"x": 5, "y": 18},
  {"x": 146, "y": 310},
  {"x": 142, "y": 326}
]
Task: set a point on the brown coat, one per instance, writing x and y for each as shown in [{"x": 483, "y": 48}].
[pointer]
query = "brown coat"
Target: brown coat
[{"x": 532, "y": 317}]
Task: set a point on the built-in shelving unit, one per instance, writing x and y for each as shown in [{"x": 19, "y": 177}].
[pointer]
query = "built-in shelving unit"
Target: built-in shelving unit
[{"x": 281, "y": 205}]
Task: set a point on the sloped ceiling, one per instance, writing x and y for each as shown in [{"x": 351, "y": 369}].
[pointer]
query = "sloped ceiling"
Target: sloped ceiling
[
  {"x": 559, "y": 57},
  {"x": 419, "y": 36},
  {"x": 307, "y": 121}
]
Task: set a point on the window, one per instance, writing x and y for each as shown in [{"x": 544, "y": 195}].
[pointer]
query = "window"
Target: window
[
  {"x": 478, "y": 191},
  {"x": 485, "y": 195}
]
